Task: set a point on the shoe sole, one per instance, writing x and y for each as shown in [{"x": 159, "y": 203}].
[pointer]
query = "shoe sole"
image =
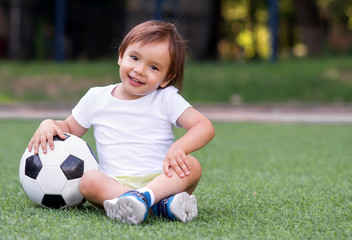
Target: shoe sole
[
  {"x": 127, "y": 210},
  {"x": 184, "y": 207}
]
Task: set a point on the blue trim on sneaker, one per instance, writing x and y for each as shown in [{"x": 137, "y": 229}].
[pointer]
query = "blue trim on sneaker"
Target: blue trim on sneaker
[
  {"x": 148, "y": 198},
  {"x": 155, "y": 209},
  {"x": 140, "y": 197},
  {"x": 162, "y": 208},
  {"x": 169, "y": 213}
]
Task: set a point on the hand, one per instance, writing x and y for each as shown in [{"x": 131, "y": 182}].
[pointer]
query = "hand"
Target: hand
[
  {"x": 45, "y": 133},
  {"x": 177, "y": 160}
]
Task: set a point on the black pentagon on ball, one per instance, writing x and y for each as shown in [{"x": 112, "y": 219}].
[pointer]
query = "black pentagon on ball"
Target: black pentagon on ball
[
  {"x": 57, "y": 138},
  {"x": 72, "y": 167},
  {"x": 33, "y": 166},
  {"x": 53, "y": 201}
]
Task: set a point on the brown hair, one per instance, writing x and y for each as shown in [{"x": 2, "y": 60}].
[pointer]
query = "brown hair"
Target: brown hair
[{"x": 157, "y": 31}]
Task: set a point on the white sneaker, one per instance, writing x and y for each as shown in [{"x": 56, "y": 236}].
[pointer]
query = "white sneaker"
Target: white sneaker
[
  {"x": 130, "y": 207},
  {"x": 182, "y": 207}
]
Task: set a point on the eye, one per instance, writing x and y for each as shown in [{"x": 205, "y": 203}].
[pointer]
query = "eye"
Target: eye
[
  {"x": 154, "y": 68},
  {"x": 134, "y": 57}
]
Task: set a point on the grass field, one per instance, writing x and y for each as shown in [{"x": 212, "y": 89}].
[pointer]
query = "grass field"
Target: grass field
[
  {"x": 260, "y": 181},
  {"x": 299, "y": 80}
]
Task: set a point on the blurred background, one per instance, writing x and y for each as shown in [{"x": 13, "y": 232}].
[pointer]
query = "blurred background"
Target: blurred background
[{"x": 297, "y": 50}]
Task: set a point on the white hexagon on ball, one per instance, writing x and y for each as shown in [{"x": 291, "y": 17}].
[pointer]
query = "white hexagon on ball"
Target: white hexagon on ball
[
  {"x": 69, "y": 193},
  {"x": 51, "y": 180},
  {"x": 32, "y": 189},
  {"x": 54, "y": 157}
]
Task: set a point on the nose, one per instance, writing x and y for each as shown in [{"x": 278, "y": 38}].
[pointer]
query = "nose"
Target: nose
[{"x": 139, "y": 69}]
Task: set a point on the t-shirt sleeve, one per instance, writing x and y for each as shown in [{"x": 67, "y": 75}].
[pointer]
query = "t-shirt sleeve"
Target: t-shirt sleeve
[
  {"x": 175, "y": 106},
  {"x": 81, "y": 112}
]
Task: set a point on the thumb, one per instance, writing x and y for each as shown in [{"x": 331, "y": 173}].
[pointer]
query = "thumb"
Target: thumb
[
  {"x": 166, "y": 170},
  {"x": 60, "y": 133}
]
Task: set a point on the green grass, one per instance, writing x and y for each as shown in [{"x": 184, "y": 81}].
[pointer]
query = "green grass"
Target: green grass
[
  {"x": 260, "y": 181},
  {"x": 299, "y": 80}
]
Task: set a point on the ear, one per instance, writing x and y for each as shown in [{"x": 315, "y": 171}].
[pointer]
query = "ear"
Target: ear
[
  {"x": 166, "y": 82},
  {"x": 120, "y": 57},
  {"x": 119, "y": 61}
]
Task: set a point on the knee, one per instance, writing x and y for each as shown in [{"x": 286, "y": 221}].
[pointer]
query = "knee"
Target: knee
[
  {"x": 86, "y": 185},
  {"x": 196, "y": 168}
]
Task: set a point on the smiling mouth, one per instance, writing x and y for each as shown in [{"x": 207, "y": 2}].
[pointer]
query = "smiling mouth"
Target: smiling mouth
[{"x": 134, "y": 81}]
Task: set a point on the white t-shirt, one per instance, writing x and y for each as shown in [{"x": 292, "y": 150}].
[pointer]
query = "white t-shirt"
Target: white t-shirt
[{"x": 132, "y": 136}]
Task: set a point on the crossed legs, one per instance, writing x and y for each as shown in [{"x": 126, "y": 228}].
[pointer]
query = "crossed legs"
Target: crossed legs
[{"x": 96, "y": 187}]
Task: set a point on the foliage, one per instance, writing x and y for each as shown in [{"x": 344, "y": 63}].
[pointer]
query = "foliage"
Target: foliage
[
  {"x": 260, "y": 181},
  {"x": 246, "y": 33}
]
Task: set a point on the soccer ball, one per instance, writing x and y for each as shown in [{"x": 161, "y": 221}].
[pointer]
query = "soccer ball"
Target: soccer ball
[{"x": 52, "y": 180}]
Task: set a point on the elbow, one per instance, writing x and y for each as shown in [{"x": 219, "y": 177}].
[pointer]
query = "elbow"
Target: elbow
[{"x": 211, "y": 130}]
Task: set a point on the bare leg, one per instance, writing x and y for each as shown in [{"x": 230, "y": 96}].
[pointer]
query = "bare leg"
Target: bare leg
[
  {"x": 163, "y": 186},
  {"x": 96, "y": 187}
]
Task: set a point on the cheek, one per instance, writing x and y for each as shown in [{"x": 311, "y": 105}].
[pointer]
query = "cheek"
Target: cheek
[{"x": 122, "y": 72}]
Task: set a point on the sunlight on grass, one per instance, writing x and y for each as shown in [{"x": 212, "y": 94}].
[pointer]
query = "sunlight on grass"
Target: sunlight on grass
[{"x": 260, "y": 181}]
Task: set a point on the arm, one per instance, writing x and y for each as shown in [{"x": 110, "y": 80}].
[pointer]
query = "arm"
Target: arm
[
  {"x": 199, "y": 132},
  {"x": 50, "y": 128}
]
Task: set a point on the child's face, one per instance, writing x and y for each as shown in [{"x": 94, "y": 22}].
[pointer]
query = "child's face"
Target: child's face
[{"x": 143, "y": 69}]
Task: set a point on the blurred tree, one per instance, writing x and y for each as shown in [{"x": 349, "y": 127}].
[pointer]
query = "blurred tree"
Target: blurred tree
[
  {"x": 254, "y": 7},
  {"x": 94, "y": 27},
  {"x": 215, "y": 22},
  {"x": 245, "y": 32},
  {"x": 60, "y": 12},
  {"x": 312, "y": 25},
  {"x": 306, "y": 27},
  {"x": 287, "y": 28},
  {"x": 4, "y": 29},
  {"x": 15, "y": 29},
  {"x": 339, "y": 16},
  {"x": 230, "y": 29}
]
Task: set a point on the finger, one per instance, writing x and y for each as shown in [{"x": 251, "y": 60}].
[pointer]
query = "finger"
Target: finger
[
  {"x": 36, "y": 145},
  {"x": 50, "y": 139},
  {"x": 43, "y": 144},
  {"x": 183, "y": 165},
  {"x": 30, "y": 145},
  {"x": 166, "y": 170},
  {"x": 187, "y": 162},
  {"x": 177, "y": 169},
  {"x": 60, "y": 133},
  {"x": 184, "y": 168}
]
